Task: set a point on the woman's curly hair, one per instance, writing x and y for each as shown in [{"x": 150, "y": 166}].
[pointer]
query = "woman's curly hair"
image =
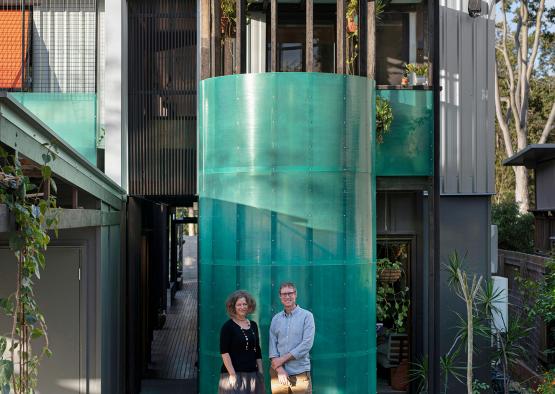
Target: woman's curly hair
[{"x": 232, "y": 300}]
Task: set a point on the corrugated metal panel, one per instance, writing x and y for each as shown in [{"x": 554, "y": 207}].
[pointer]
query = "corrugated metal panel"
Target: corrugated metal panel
[
  {"x": 162, "y": 97},
  {"x": 466, "y": 106}
]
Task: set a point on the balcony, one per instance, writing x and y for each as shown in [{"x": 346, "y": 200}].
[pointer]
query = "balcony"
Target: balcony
[
  {"x": 408, "y": 149},
  {"x": 48, "y": 63}
]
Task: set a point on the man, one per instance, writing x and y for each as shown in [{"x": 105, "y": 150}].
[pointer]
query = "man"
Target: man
[{"x": 291, "y": 338}]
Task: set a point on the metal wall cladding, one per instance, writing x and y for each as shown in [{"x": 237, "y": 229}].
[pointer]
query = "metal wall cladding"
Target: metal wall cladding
[
  {"x": 162, "y": 97},
  {"x": 408, "y": 148},
  {"x": 467, "y": 106},
  {"x": 286, "y": 193}
]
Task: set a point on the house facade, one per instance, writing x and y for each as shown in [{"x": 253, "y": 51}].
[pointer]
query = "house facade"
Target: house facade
[{"x": 263, "y": 115}]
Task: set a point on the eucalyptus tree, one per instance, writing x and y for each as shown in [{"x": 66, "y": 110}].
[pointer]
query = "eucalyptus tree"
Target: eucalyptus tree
[{"x": 521, "y": 49}]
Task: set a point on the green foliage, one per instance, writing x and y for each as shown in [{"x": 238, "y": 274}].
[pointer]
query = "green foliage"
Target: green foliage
[
  {"x": 421, "y": 70},
  {"x": 481, "y": 308},
  {"x": 540, "y": 294},
  {"x": 384, "y": 118},
  {"x": 548, "y": 385},
  {"x": 33, "y": 218},
  {"x": 516, "y": 230},
  {"x": 229, "y": 20},
  {"x": 385, "y": 263},
  {"x": 419, "y": 373},
  {"x": 392, "y": 300},
  {"x": 479, "y": 387},
  {"x": 542, "y": 84}
]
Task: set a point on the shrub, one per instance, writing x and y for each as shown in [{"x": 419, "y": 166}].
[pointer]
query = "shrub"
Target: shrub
[{"x": 516, "y": 230}]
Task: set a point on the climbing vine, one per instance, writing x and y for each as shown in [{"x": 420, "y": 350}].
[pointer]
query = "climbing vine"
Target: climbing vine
[{"x": 32, "y": 211}]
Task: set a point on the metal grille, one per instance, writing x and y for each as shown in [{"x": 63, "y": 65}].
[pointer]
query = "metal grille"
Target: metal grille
[
  {"x": 162, "y": 97},
  {"x": 48, "y": 45}
]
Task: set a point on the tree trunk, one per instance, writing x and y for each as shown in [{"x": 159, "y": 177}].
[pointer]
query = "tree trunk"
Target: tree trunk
[{"x": 521, "y": 188}]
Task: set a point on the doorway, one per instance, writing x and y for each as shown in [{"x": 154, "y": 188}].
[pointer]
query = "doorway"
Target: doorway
[{"x": 394, "y": 301}]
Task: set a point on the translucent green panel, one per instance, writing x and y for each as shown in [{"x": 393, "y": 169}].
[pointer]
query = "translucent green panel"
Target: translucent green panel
[
  {"x": 408, "y": 149},
  {"x": 286, "y": 192},
  {"x": 70, "y": 115}
]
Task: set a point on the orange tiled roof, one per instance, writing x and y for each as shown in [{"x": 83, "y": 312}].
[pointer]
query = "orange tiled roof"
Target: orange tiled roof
[{"x": 10, "y": 47}]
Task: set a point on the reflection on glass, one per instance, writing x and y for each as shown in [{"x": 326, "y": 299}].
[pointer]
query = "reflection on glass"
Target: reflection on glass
[{"x": 291, "y": 47}]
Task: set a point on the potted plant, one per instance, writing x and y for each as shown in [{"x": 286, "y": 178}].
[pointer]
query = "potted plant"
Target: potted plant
[
  {"x": 389, "y": 271},
  {"x": 227, "y": 18},
  {"x": 405, "y": 79},
  {"x": 418, "y": 72},
  {"x": 352, "y": 16},
  {"x": 392, "y": 308}
]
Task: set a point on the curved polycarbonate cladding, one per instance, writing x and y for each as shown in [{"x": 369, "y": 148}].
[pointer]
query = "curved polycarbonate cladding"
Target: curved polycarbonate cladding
[{"x": 287, "y": 193}]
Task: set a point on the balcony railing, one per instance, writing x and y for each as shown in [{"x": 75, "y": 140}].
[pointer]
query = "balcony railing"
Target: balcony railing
[
  {"x": 407, "y": 150},
  {"x": 48, "y": 64}
]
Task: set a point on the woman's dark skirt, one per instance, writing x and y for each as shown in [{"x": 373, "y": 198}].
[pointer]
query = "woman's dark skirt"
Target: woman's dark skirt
[{"x": 247, "y": 383}]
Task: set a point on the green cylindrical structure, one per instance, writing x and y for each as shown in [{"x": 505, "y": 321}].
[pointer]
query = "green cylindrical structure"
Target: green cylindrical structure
[{"x": 287, "y": 192}]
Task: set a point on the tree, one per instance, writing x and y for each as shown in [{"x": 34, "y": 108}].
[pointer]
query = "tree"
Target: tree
[{"x": 517, "y": 64}]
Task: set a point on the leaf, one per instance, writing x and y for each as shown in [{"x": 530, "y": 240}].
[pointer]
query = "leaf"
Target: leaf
[
  {"x": 46, "y": 172},
  {"x": 3, "y": 344},
  {"x": 30, "y": 319},
  {"x": 6, "y": 371},
  {"x": 37, "y": 333},
  {"x": 46, "y": 158}
]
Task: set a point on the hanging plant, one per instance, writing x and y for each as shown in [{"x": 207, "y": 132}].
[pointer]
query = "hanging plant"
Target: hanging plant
[
  {"x": 351, "y": 14},
  {"x": 31, "y": 210},
  {"x": 384, "y": 118},
  {"x": 389, "y": 271},
  {"x": 227, "y": 20}
]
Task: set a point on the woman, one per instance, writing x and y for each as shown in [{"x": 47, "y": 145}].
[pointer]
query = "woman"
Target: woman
[{"x": 242, "y": 371}]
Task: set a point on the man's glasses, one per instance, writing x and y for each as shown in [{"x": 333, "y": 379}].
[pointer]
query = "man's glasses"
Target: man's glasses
[{"x": 290, "y": 294}]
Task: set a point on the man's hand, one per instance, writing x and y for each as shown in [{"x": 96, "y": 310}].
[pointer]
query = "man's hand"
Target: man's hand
[
  {"x": 283, "y": 377},
  {"x": 279, "y": 361}
]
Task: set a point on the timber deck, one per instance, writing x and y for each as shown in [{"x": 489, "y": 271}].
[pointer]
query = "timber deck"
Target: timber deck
[{"x": 174, "y": 348}]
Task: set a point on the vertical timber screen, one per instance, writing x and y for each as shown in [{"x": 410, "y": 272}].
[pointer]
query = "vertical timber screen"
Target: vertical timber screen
[
  {"x": 287, "y": 192},
  {"x": 162, "y": 97}
]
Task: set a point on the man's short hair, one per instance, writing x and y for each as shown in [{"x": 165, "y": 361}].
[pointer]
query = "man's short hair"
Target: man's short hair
[
  {"x": 232, "y": 300},
  {"x": 287, "y": 284}
]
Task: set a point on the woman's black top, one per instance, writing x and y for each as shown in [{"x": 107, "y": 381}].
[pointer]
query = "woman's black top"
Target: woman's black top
[{"x": 242, "y": 345}]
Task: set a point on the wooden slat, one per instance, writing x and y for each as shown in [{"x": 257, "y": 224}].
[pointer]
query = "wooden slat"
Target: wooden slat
[
  {"x": 340, "y": 52},
  {"x": 371, "y": 40},
  {"x": 273, "y": 35},
  {"x": 174, "y": 347},
  {"x": 241, "y": 38},
  {"x": 215, "y": 49},
  {"x": 205, "y": 39},
  {"x": 362, "y": 36},
  {"x": 309, "y": 36}
]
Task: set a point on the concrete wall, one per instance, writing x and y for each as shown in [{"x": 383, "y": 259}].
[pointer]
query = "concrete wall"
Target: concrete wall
[
  {"x": 465, "y": 228},
  {"x": 114, "y": 21},
  {"x": 467, "y": 60}
]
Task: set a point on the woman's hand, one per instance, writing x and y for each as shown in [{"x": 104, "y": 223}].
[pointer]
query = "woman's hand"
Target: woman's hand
[{"x": 232, "y": 380}]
